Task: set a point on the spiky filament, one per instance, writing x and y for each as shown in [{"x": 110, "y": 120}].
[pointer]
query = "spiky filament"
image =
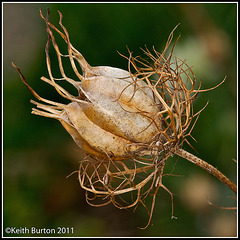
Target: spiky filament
[{"x": 128, "y": 182}]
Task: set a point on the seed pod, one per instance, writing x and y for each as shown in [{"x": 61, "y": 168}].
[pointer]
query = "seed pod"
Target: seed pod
[
  {"x": 116, "y": 123},
  {"x": 120, "y": 116},
  {"x": 115, "y": 115}
]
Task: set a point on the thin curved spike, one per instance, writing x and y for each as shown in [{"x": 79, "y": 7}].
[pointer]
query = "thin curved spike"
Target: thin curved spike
[
  {"x": 209, "y": 89},
  {"x": 33, "y": 92}
]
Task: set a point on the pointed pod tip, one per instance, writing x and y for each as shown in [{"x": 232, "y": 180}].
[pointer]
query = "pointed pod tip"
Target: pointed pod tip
[
  {"x": 60, "y": 15},
  {"x": 13, "y": 64},
  {"x": 18, "y": 69}
]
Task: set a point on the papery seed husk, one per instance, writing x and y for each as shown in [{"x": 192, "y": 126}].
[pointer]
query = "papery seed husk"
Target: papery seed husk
[
  {"x": 111, "y": 116},
  {"x": 119, "y": 89},
  {"x": 104, "y": 142},
  {"x": 131, "y": 111}
]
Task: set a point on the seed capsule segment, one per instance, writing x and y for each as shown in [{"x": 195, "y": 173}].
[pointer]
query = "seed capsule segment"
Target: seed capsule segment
[{"x": 102, "y": 141}]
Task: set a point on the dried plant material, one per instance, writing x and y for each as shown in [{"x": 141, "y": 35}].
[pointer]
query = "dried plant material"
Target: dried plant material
[{"x": 127, "y": 122}]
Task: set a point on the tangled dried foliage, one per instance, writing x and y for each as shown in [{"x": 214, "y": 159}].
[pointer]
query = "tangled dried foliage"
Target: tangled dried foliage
[{"x": 126, "y": 177}]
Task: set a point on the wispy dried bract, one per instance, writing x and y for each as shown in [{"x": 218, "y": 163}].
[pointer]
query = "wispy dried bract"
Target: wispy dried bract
[
  {"x": 172, "y": 84},
  {"x": 127, "y": 174},
  {"x": 127, "y": 122}
]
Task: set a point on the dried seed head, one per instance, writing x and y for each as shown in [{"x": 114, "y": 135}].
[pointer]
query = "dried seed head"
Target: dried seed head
[
  {"x": 127, "y": 123},
  {"x": 115, "y": 114}
]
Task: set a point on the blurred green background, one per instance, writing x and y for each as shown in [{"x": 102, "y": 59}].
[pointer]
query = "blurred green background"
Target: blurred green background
[{"x": 39, "y": 154}]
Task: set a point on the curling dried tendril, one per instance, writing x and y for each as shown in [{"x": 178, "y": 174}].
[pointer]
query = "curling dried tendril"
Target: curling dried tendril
[{"x": 127, "y": 122}]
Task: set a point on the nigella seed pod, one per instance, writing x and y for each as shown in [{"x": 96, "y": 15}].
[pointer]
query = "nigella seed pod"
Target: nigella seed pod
[
  {"x": 115, "y": 115},
  {"x": 127, "y": 124}
]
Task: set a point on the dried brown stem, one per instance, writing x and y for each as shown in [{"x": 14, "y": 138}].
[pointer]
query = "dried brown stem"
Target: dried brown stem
[{"x": 208, "y": 167}]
